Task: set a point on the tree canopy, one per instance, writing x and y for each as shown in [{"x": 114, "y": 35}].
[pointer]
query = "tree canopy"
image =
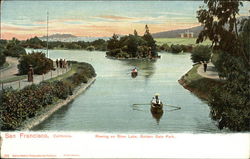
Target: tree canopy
[
  {"x": 229, "y": 103},
  {"x": 132, "y": 45}
]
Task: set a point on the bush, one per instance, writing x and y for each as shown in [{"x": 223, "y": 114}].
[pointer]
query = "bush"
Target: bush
[
  {"x": 122, "y": 55},
  {"x": 39, "y": 62},
  {"x": 2, "y": 59},
  {"x": 165, "y": 47},
  {"x": 187, "y": 48},
  {"x": 15, "y": 51},
  {"x": 201, "y": 53},
  {"x": 90, "y": 48},
  {"x": 114, "y": 52},
  {"x": 18, "y": 106},
  {"x": 176, "y": 48},
  {"x": 84, "y": 72},
  {"x": 231, "y": 110}
]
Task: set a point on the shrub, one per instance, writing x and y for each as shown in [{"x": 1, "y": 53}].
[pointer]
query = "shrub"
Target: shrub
[
  {"x": 165, "y": 47},
  {"x": 122, "y": 55},
  {"x": 215, "y": 57},
  {"x": 114, "y": 52},
  {"x": 187, "y": 48},
  {"x": 17, "y": 106},
  {"x": 39, "y": 62},
  {"x": 2, "y": 59},
  {"x": 84, "y": 72},
  {"x": 201, "y": 53},
  {"x": 15, "y": 51},
  {"x": 176, "y": 48},
  {"x": 90, "y": 48}
]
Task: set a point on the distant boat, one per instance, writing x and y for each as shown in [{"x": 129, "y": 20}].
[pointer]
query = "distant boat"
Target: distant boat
[{"x": 134, "y": 73}]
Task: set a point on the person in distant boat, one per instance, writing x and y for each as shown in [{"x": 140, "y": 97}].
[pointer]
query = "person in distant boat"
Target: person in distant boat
[
  {"x": 134, "y": 70},
  {"x": 156, "y": 99}
]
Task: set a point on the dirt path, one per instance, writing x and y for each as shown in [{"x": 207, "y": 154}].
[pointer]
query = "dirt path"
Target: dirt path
[
  {"x": 11, "y": 70},
  {"x": 210, "y": 73}
]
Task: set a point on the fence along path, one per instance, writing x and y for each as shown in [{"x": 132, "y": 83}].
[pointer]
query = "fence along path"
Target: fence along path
[{"x": 12, "y": 71}]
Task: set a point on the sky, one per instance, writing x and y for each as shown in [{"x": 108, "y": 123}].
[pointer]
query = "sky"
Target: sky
[{"x": 26, "y": 19}]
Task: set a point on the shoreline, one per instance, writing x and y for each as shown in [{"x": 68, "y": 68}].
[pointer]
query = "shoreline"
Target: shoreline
[
  {"x": 131, "y": 58},
  {"x": 51, "y": 109},
  {"x": 196, "y": 92}
]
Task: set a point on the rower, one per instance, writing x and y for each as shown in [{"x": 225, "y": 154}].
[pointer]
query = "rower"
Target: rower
[
  {"x": 134, "y": 70},
  {"x": 156, "y": 99}
]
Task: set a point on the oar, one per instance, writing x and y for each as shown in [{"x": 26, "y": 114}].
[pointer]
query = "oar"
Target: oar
[
  {"x": 163, "y": 105},
  {"x": 141, "y": 104},
  {"x": 177, "y": 107}
]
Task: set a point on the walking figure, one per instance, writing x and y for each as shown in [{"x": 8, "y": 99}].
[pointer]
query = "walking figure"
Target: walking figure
[
  {"x": 64, "y": 63},
  {"x": 57, "y": 63},
  {"x": 30, "y": 74},
  {"x": 60, "y": 63},
  {"x": 205, "y": 66}
]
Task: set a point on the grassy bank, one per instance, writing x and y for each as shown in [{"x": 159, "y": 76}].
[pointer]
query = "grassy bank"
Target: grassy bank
[
  {"x": 197, "y": 84},
  {"x": 180, "y": 41},
  {"x": 19, "y": 106}
]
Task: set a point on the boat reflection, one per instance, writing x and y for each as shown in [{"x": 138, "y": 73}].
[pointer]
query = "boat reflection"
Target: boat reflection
[{"x": 157, "y": 116}]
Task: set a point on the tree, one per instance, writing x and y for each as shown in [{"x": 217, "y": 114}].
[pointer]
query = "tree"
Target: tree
[
  {"x": 113, "y": 42},
  {"x": 15, "y": 51},
  {"x": 201, "y": 53},
  {"x": 229, "y": 102},
  {"x": 34, "y": 43},
  {"x": 150, "y": 41},
  {"x": 39, "y": 62},
  {"x": 132, "y": 44}
]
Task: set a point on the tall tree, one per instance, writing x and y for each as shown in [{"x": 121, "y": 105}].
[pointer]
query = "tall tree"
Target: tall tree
[
  {"x": 113, "y": 43},
  {"x": 150, "y": 41}
]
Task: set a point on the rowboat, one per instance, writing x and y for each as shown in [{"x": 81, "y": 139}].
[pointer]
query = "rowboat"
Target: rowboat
[
  {"x": 156, "y": 108},
  {"x": 134, "y": 73}
]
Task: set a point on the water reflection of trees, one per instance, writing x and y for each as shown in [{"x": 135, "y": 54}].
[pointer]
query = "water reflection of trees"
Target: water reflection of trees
[{"x": 146, "y": 67}]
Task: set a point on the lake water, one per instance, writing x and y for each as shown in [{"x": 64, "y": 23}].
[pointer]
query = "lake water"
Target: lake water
[{"x": 107, "y": 106}]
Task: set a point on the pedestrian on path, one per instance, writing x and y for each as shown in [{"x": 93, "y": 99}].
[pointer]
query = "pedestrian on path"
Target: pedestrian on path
[
  {"x": 64, "y": 63},
  {"x": 60, "y": 63},
  {"x": 57, "y": 63},
  {"x": 30, "y": 74},
  {"x": 205, "y": 66}
]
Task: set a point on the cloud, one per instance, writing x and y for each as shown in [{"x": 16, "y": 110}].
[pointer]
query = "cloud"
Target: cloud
[
  {"x": 113, "y": 17},
  {"x": 19, "y": 28},
  {"x": 174, "y": 13}
]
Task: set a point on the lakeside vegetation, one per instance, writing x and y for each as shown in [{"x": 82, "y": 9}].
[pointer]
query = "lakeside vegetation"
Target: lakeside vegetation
[
  {"x": 132, "y": 46},
  {"x": 229, "y": 101},
  {"x": 200, "y": 86},
  {"x": 20, "y": 105},
  {"x": 36, "y": 43}
]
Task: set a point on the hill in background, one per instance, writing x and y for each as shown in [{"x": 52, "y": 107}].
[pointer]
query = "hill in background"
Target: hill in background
[{"x": 176, "y": 33}]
